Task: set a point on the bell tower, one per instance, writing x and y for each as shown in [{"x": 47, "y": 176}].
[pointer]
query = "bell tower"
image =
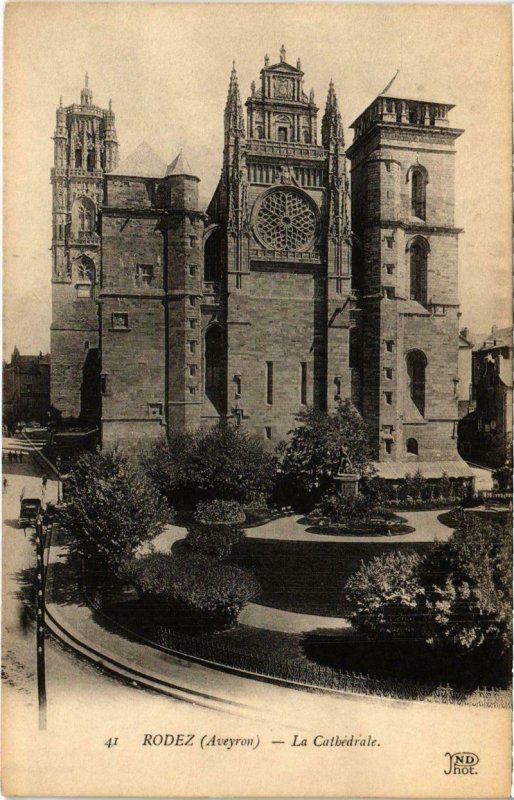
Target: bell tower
[
  {"x": 403, "y": 201},
  {"x": 85, "y": 147}
]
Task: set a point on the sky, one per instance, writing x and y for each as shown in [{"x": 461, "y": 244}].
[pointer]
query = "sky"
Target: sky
[{"x": 166, "y": 69}]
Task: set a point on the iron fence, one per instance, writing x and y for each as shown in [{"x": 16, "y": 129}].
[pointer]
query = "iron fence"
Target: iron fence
[{"x": 319, "y": 676}]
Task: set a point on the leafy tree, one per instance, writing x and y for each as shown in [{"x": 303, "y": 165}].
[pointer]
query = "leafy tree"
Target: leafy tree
[
  {"x": 223, "y": 463},
  {"x": 385, "y": 596},
  {"x": 468, "y": 585},
  {"x": 414, "y": 485},
  {"x": 312, "y": 456},
  {"x": 112, "y": 508},
  {"x": 459, "y": 595},
  {"x": 503, "y": 476}
]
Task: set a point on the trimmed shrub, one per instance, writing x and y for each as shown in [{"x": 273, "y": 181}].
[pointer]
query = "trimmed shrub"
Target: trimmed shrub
[
  {"x": 210, "y": 592},
  {"x": 257, "y": 501},
  {"x": 213, "y": 540},
  {"x": 342, "y": 509},
  {"x": 219, "y": 512}
]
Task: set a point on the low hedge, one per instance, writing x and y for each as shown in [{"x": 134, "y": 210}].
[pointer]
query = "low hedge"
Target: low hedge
[
  {"x": 220, "y": 512},
  {"x": 209, "y": 594},
  {"x": 213, "y": 540}
]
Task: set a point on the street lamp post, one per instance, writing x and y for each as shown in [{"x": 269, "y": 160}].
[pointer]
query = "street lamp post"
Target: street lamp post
[{"x": 40, "y": 620}]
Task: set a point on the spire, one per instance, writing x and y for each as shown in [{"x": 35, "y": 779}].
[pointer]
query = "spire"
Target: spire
[
  {"x": 282, "y": 54},
  {"x": 331, "y": 124},
  {"x": 298, "y": 64},
  {"x": 60, "y": 101},
  {"x": 233, "y": 108},
  {"x": 266, "y": 60},
  {"x": 86, "y": 95},
  {"x": 384, "y": 91},
  {"x": 110, "y": 105}
]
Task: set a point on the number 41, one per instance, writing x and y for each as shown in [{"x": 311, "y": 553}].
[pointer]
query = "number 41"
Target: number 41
[{"x": 112, "y": 741}]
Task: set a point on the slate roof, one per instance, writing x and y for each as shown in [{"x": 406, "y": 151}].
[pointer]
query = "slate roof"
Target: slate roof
[{"x": 143, "y": 162}]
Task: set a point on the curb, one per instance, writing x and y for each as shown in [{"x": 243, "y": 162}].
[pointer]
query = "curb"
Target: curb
[
  {"x": 141, "y": 678},
  {"x": 138, "y": 678}
]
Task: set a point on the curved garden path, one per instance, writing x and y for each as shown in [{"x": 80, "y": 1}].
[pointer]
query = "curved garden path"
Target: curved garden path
[{"x": 427, "y": 529}]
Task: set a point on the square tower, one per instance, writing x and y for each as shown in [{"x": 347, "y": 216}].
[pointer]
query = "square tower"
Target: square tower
[{"x": 405, "y": 270}]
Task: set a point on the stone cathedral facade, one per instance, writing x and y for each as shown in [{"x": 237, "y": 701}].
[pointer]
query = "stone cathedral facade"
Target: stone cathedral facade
[{"x": 282, "y": 294}]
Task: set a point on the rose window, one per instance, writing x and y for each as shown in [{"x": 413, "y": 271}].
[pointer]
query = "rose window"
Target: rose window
[{"x": 285, "y": 221}]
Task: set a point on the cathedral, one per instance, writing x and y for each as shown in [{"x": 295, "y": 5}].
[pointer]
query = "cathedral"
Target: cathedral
[{"x": 318, "y": 272}]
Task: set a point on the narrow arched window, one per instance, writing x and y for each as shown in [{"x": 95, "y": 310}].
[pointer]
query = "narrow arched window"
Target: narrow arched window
[
  {"x": 354, "y": 349},
  {"x": 418, "y": 270},
  {"x": 78, "y": 158},
  {"x": 412, "y": 446},
  {"x": 306, "y": 137},
  {"x": 419, "y": 194},
  {"x": 214, "y": 360},
  {"x": 416, "y": 368}
]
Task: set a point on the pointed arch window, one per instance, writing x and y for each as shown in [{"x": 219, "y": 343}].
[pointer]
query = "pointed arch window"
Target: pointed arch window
[
  {"x": 418, "y": 204},
  {"x": 418, "y": 256},
  {"x": 416, "y": 369}
]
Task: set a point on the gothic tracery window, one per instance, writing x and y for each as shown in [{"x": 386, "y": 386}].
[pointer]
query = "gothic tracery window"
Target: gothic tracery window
[{"x": 285, "y": 220}]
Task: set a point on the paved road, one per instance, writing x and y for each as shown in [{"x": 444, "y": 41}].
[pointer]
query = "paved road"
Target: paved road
[{"x": 69, "y": 679}]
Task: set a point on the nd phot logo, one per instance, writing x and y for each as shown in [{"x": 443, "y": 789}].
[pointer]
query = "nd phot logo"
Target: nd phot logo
[{"x": 461, "y": 763}]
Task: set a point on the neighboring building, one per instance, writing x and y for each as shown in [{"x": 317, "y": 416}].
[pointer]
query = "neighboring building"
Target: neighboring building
[
  {"x": 279, "y": 296},
  {"x": 26, "y": 389},
  {"x": 85, "y": 147},
  {"x": 465, "y": 392},
  {"x": 487, "y": 433}
]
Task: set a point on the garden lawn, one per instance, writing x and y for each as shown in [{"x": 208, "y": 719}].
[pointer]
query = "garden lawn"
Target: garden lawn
[
  {"x": 413, "y": 662},
  {"x": 309, "y": 577}
]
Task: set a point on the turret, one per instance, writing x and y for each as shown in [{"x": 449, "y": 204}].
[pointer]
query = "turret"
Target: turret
[
  {"x": 86, "y": 95},
  {"x": 331, "y": 124}
]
